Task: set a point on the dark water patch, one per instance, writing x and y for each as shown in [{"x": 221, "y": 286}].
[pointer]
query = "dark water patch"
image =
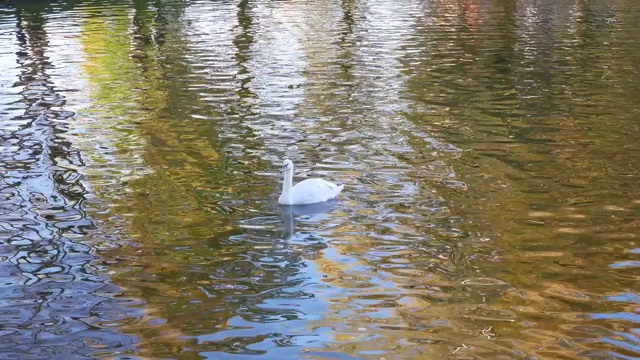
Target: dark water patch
[{"x": 54, "y": 303}]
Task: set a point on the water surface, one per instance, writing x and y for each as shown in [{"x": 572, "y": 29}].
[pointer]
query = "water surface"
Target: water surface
[{"x": 489, "y": 151}]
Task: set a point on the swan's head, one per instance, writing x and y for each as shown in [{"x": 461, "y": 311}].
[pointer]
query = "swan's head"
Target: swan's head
[{"x": 287, "y": 166}]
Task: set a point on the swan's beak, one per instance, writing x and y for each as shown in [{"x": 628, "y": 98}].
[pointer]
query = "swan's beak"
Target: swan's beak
[{"x": 283, "y": 169}]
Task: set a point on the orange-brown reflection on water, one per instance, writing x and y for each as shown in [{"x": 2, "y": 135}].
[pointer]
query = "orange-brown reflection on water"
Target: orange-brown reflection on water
[{"x": 488, "y": 148}]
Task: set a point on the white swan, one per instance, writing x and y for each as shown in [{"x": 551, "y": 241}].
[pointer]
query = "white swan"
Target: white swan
[{"x": 309, "y": 191}]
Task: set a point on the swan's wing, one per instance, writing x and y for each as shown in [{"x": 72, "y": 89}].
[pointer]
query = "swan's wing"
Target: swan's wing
[
  {"x": 325, "y": 185},
  {"x": 329, "y": 187},
  {"x": 314, "y": 186},
  {"x": 314, "y": 190}
]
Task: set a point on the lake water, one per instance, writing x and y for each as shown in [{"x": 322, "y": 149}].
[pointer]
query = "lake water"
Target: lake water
[{"x": 490, "y": 152}]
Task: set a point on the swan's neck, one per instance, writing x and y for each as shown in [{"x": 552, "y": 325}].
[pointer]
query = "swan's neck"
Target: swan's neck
[{"x": 288, "y": 183}]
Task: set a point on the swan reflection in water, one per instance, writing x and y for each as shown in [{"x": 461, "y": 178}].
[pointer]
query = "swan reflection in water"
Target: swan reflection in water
[
  {"x": 263, "y": 229},
  {"x": 311, "y": 213}
]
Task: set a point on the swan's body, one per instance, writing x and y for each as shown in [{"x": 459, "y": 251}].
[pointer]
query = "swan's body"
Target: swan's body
[{"x": 309, "y": 191}]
